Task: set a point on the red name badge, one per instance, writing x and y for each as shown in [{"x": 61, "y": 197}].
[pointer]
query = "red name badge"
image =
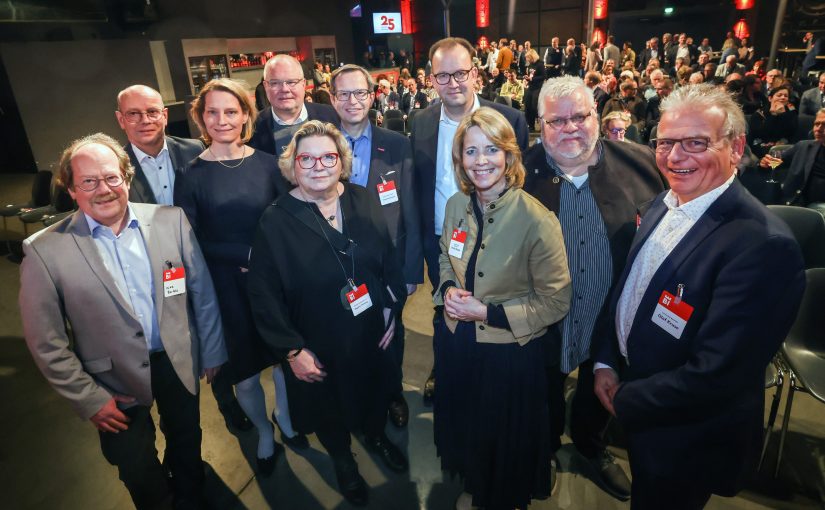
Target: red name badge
[
  {"x": 359, "y": 299},
  {"x": 672, "y": 314},
  {"x": 457, "y": 243},
  {"x": 387, "y": 193},
  {"x": 174, "y": 282}
]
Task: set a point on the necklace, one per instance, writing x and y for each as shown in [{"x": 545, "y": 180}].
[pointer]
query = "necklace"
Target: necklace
[{"x": 243, "y": 157}]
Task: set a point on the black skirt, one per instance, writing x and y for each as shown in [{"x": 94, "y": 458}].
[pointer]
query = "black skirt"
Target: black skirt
[{"x": 491, "y": 417}]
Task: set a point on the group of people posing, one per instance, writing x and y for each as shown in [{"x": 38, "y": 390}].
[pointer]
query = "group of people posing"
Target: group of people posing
[{"x": 300, "y": 230}]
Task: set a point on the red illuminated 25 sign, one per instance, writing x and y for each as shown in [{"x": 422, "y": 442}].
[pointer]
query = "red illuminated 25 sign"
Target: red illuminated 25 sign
[{"x": 386, "y": 22}]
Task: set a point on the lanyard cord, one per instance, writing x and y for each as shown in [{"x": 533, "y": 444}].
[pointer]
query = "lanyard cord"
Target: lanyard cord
[{"x": 350, "y": 281}]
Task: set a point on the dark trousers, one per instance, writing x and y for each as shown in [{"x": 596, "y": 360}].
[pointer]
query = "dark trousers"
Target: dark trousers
[
  {"x": 432, "y": 250},
  {"x": 654, "y": 493},
  {"x": 531, "y": 102},
  {"x": 222, "y": 390},
  {"x": 397, "y": 348},
  {"x": 133, "y": 450},
  {"x": 335, "y": 437},
  {"x": 588, "y": 420}
]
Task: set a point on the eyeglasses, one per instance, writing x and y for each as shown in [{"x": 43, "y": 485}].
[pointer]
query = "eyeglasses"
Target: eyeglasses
[
  {"x": 460, "y": 76},
  {"x": 307, "y": 161},
  {"x": 693, "y": 145},
  {"x": 277, "y": 84},
  {"x": 135, "y": 116},
  {"x": 559, "y": 123},
  {"x": 618, "y": 131},
  {"x": 344, "y": 95},
  {"x": 91, "y": 184}
]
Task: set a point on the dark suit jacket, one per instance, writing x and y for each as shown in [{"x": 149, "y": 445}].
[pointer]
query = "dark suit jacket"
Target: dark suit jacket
[
  {"x": 601, "y": 97},
  {"x": 623, "y": 184},
  {"x": 811, "y": 102},
  {"x": 263, "y": 139},
  {"x": 801, "y": 158},
  {"x": 645, "y": 56},
  {"x": 392, "y": 157},
  {"x": 693, "y": 407},
  {"x": 408, "y": 103},
  {"x": 424, "y": 138},
  {"x": 181, "y": 152}
]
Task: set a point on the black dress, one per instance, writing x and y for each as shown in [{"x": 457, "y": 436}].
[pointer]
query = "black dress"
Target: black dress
[
  {"x": 766, "y": 129},
  {"x": 224, "y": 206},
  {"x": 492, "y": 422},
  {"x": 296, "y": 283}
]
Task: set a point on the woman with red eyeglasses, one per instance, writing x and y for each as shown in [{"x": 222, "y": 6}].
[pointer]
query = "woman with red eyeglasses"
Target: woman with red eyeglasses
[{"x": 324, "y": 287}]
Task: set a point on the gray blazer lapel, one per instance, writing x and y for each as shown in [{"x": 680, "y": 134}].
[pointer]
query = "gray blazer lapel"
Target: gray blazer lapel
[
  {"x": 155, "y": 256},
  {"x": 79, "y": 229}
]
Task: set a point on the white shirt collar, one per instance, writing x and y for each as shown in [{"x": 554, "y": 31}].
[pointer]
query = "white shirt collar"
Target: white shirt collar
[
  {"x": 444, "y": 118},
  {"x": 301, "y": 118},
  {"x": 140, "y": 155},
  {"x": 696, "y": 207}
]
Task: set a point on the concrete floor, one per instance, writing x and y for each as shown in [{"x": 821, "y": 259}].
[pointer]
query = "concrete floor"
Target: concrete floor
[{"x": 50, "y": 459}]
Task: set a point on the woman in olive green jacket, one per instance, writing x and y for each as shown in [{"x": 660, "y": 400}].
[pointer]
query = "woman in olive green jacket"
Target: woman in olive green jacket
[{"x": 505, "y": 280}]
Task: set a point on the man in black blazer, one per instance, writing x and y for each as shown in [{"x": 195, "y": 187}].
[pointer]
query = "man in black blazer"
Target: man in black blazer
[
  {"x": 382, "y": 162},
  {"x": 413, "y": 99},
  {"x": 711, "y": 287},
  {"x": 285, "y": 88},
  {"x": 652, "y": 51},
  {"x": 157, "y": 160},
  {"x": 805, "y": 182},
  {"x": 453, "y": 77},
  {"x": 596, "y": 188},
  {"x": 813, "y": 99}
]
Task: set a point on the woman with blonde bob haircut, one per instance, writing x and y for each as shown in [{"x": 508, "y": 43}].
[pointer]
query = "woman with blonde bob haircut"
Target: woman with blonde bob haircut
[
  {"x": 325, "y": 286},
  {"x": 224, "y": 192},
  {"x": 505, "y": 281}
]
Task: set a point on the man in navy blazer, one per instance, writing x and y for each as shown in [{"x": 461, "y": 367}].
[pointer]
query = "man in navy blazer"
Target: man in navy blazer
[
  {"x": 157, "y": 158},
  {"x": 382, "y": 162},
  {"x": 453, "y": 77},
  {"x": 805, "y": 182},
  {"x": 711, "y": 288},
  {"x": 285, "y": 87}
]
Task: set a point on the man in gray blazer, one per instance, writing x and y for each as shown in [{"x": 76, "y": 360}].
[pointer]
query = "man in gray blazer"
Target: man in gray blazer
[
  {"x": 813, "y": 100},
  {"x": 119, "y": 311},
  {"x": 382, "y": 162}
]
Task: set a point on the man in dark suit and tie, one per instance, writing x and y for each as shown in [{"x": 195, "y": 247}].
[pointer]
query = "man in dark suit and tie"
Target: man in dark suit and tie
[
  {"x": 382, "y": 163},
  {"x": 711, "y": 287},
  {"x": 453, "y": 76},
  {"x": 285, "y": 88},
  {"x": 651, "y": 52},
  {"x": 157, "y": 158},
  {"x": 133, "y": 285}
]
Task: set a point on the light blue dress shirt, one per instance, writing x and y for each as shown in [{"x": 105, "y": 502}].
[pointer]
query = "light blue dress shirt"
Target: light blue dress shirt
[
  {"x": 361, "y": 155},
  {"x": 159, "y": 172},
  {"x": 126, "y": 259}
]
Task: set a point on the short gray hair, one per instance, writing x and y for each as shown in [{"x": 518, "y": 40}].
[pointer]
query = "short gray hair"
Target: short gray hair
[
  {"x": 563, "y": 86},
  {"x": 702, "y": 97}
]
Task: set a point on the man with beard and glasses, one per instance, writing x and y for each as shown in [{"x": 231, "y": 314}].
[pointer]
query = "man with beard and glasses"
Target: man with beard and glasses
[{"x": 598, "y": 189}]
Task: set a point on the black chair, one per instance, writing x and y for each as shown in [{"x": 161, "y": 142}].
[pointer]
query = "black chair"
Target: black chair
[
  {"x": 40, "y": 197},
  {"x": 632, "y": 134},
  {"x": 503, "y": 100},
  {"x": 804, "y": 350},
  {"x": 804, "y": 127},
  {"x": 394, "y": 124},
  {"x": 393, "y": 114},
  {"x": 808, "y": 228},
  {"x": 60, "y": 202},
  {"x": 373, "y": 115}
]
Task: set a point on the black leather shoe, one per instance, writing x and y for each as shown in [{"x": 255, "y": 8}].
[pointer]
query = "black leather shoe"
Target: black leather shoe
[
  {"x": 296, "y": 442},
  {"x": 266, "y": 466},
  {"x": 350, "y": 483},
  {"x": 389, "y": 453},
  {"x": 429, "y": 389},
  {"x": 235, "y": 417},
  {"x": 611, "y": 476},
  {"x": 399, "y": 411}
]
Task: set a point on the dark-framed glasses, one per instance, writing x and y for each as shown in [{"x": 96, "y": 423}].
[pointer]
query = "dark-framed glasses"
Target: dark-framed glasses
[
  {"x": 277, "y": 84},
  {"x": 359, "y": 94},
  {"x": 693, "y": 145},
  {"x": 560, "y": 122},
  {"x": 91, "y": 183},
  {"x": 459, "y": 76},
  {"x": 135, "y": 116},
  {"x": 618, "y": 131},
  {"x": 307, "y": 161}
]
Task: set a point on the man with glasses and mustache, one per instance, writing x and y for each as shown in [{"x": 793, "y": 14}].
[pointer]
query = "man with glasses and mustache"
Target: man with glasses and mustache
[
  {"x": 285, "y": 86},
  {"x": 157, "y": 158},
  {"x": 711, "y": 287},
  {"x": 133, "y": 285},
  {"x": 598, "y": 189},
  {"x": 453, "y": 76},
  {"x": 382, "y": 163}
]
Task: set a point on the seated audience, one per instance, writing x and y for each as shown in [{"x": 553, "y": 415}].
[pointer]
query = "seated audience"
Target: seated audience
[{"x": 773, "y": 125}]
